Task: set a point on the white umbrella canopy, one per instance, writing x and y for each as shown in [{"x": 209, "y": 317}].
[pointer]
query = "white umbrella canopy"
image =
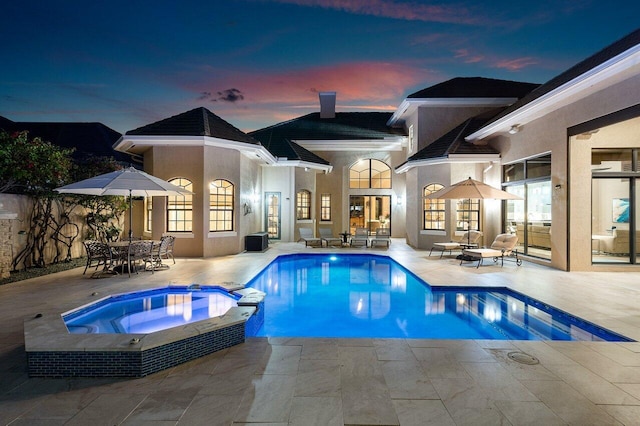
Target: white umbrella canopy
[
  {"x": 472, "y": 189},
  {"x": 125, "y": 182},
  {"x": 129, "y": 182}
]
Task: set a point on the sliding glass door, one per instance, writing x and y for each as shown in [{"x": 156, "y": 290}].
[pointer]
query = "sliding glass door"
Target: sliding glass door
[{"x": 530, "y": 218}]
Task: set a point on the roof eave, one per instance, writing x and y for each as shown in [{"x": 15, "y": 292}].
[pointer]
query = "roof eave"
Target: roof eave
[
  {"x": 453, "y": 158},
  {"x": 284, "y": 162},
  {"x": 408, "y": 106},
  {"x": 128, "y": 143},
  {"x": 396, "y": 143},
  {"x": 597, "y": 78}
]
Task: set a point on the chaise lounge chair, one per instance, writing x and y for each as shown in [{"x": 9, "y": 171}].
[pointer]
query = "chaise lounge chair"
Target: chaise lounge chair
[
  {"x": 503, "y": 246},
  {"x": 383, "y": 236},
  {"x": 327, "y": 236},
  {"x": 360, "y": 238},
  {"x": 467, "y": 239},
  {"x": 306, "y": 235}
]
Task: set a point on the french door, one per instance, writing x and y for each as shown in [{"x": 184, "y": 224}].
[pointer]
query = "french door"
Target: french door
[
  {"x": 369, "y": 211},
  {"x": 272, "y": 214}
]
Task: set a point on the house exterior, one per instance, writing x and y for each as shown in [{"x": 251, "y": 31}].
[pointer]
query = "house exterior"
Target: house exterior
[{"x": 568, "y": 147}]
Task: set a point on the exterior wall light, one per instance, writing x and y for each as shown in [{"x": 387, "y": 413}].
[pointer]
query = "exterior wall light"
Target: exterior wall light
[{"x": 514, "y": 129}]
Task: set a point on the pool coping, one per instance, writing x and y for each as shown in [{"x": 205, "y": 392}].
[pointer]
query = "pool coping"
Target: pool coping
[{"x": 52, "y": 350}]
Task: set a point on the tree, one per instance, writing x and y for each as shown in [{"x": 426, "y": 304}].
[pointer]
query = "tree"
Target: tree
[{"x": 34, "y": 167}]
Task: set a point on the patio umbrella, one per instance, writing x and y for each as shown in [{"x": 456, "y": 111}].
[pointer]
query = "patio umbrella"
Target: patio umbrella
[
  {"x": 472, "y": 189},
  {"x": 129, "y": 182}
]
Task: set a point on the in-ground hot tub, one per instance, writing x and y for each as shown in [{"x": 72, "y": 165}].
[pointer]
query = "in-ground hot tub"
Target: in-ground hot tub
[{"x": 139, "y": 333}]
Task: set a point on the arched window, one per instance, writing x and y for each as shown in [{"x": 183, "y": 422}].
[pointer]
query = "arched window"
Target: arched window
[
  {"x": 303, "y": 205},
  {"x": 433, "y": 209},
  {"x": 180, "y": 208},
  {"x": 221, "y": 206},
  {"x": 370, "y": 173}
]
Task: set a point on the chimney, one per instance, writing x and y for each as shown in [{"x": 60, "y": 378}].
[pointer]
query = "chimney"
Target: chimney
[{"x": 327, "y": 104}]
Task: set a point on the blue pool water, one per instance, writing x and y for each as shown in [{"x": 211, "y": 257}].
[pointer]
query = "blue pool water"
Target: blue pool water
[
  {"x": 331, "y": 295},
  {"x": 150, "y": 310}
]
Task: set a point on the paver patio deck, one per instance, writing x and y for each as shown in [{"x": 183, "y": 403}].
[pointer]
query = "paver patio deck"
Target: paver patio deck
[{"x": 344, "y": 381}]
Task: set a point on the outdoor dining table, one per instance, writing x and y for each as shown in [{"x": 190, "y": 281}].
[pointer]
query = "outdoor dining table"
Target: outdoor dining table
[{"x": 120, "y": 250}]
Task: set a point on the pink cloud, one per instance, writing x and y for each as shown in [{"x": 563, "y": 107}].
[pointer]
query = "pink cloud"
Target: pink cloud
[
  {"x": 467, "y": 57},
  {"x": 272, "y": 97},
  {"x": 412, "y": 11},
  {"x": 368, "y": 82},
  {"x": 516, "y": 64}
]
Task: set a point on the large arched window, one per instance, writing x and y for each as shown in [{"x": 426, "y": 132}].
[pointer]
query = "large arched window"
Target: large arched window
[
  {"x": 370, "y": 173},
  {"x": 433, "y": 209},
  {"x": 221, "y": 206},
  {"x": 180, "y": 208},
  {"x": 303, "y": 205}
]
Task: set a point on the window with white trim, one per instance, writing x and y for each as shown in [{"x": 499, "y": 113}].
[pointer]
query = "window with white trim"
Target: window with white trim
[
  {"x": 370, "y": 173},
  {"x": 180, "y": 208},
  {"x": 433, "y": 209},
  {"x": 303, "y": 205},
  {"x": 325, "y": 207},
  {"x": 221, "y": 206}
]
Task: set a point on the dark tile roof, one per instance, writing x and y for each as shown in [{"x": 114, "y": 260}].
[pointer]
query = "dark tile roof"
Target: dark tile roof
[
  {"x": 197, "y": 122},
  {"x": 87, "y": 138},
  {"x": 345, "y": 126},
  {"x": 577, "y": 70},
  {"x": 453, "y": 142},
  {"x": 475, "y": 87},
  {"x": 284, "y": 148}
]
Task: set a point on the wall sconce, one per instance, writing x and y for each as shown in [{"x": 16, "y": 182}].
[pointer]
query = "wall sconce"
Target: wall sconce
[
  {"x": 514, "y": 129},
  {"x": 399, "y": 200},
  {"x": 558, "y": 186},
  {"x": 247, "y": 208}
]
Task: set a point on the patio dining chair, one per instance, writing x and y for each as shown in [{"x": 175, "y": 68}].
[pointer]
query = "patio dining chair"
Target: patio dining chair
[
  {"x": 160, "y": 252},
  {"x": 98, "y": 253},
  {"x": 139, "y": 252}
]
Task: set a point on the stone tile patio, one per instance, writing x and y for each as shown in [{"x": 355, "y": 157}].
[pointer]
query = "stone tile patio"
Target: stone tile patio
[{"x": 344, "y": 381}]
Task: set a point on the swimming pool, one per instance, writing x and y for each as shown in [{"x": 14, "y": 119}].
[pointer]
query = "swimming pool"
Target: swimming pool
[
  {"x": 142, "y": 332},
  {"x": 362, "y": 295},
  {"x": 152, "y": 310}
]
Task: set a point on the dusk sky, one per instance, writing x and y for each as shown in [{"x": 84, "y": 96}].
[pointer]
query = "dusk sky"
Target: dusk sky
[{"x": 255, "y": 63}]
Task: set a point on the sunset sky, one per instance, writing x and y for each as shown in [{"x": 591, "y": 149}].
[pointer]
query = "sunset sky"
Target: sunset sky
[{"x": 258, "y": 62}]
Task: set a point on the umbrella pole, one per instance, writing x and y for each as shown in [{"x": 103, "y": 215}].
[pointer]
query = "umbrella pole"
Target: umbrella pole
[
  {"x": 469, "y": 223},
  {"x": 130, "y": 233},
  {"x": 130, "y": 217}
]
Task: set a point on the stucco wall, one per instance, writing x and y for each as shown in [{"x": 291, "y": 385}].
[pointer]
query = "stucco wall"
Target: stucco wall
[
  {"x": 434, "y": 122},
  {"x": 173, "y": 162},
  {"x": 338, "y": 182},
  {"x": 448, "y": 174},
  {"x": 571, "y": 244},
  {"x": 304, "y": 180},
  {"x": 203, "y": 165},
  {"x": 281, "y": 179}
]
